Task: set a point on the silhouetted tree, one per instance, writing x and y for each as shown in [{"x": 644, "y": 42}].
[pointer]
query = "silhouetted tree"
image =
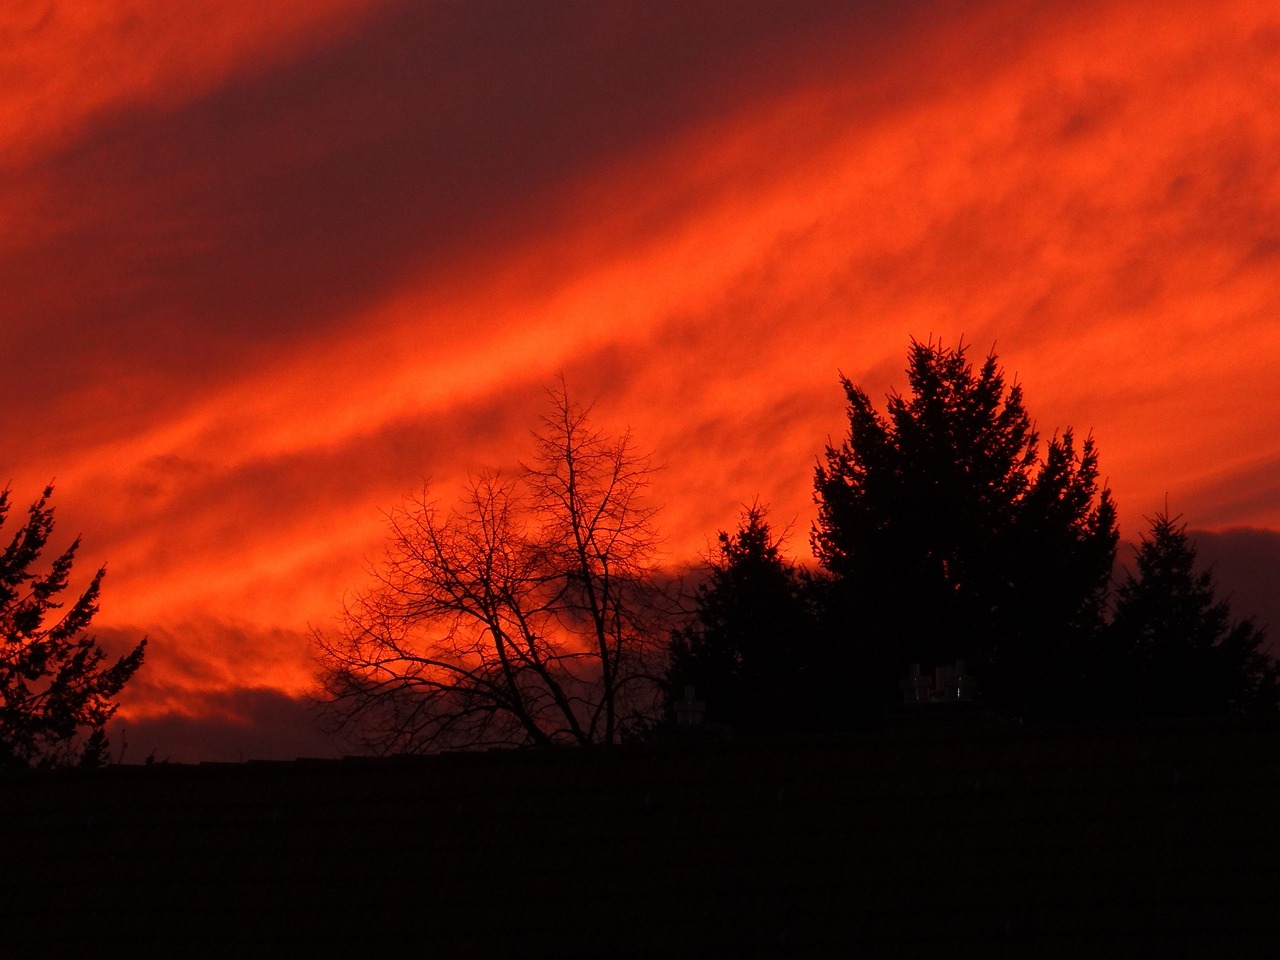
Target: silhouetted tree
[
  {"x": 1179, "y": 649},
  {"x": 527, "y": 614},
  {"x": 948, "y": 535},
  {"x": 747, "y": 651},
  {"x": 56, "y": 690}
]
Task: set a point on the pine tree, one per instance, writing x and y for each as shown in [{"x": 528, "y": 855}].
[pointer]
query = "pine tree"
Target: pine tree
[
  {"x": 949, "y": 536},
  {"x": 56, "y": 690},
  {"x": 1176, "y": 642},
  {"x": 747, "y": 651}
]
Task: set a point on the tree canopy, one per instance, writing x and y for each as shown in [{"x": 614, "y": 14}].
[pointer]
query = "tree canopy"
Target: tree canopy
[
  {"x": 57, "y": 690},
  {"x": 950, "y": 532},
  {"x": 1178, "y": 651},
  {"x": 526, "y": 614},
  {"x": 748, "y": 649}
]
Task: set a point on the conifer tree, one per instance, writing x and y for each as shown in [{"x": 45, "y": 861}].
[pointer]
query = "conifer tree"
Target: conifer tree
[
  {"x": 57, "y": 691},
  {"x": 949, "y": 535},
  {"x": 1176, "y": 641},
  {"x": 747, "y": 651}
]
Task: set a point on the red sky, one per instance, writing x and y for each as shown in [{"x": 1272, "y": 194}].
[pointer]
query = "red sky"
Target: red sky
[{"x": 266, "y": 266}]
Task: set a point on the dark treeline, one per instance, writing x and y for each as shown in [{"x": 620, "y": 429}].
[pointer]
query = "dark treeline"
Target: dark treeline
[
  {"x": 953, "y": 543},
  {"x": 960, "y": 557},
  {"x": 948, "y": 535}
]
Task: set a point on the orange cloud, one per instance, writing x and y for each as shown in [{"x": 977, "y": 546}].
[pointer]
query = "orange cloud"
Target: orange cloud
[
  {"x": 338, "y": 256},
  {"x": 67, "y": 63}
]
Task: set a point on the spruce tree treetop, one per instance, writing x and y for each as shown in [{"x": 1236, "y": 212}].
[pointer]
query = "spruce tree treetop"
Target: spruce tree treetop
[
  {"x": 747, "y": 651},
  {"x": 949, "y": 535},
  {"x": 57, "y": 691},
  {"x": 1184, "y": 654}
]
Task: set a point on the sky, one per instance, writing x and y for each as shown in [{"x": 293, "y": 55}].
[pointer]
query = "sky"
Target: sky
[{"x": 267, "y": 267}]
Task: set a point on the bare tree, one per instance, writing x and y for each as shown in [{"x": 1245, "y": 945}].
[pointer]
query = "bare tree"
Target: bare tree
[{"x": 526, "y": 614}]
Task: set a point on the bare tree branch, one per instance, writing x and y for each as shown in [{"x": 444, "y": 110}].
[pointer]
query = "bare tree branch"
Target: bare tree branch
[{"x": 526, "y": 614}]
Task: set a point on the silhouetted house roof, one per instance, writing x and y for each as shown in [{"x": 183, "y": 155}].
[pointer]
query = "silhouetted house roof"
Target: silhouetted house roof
[{"x": 908, "y": 843}]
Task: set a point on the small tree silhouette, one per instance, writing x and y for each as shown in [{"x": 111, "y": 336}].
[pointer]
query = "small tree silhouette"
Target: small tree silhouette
[
  {"x": 747, "y": 651},
  {"x": 56, "y": 691},
  {"x": 1176, "y": 641}
]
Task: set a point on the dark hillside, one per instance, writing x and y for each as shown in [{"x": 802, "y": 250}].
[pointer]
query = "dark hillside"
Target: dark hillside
[{"x": 909, "y": 843}]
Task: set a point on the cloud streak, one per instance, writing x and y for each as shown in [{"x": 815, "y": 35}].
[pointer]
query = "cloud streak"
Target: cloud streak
[{"x": 268, "y": 273}]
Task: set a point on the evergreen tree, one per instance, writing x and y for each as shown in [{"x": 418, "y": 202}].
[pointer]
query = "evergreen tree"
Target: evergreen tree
[
  {"x": 56, "y": 691},
  {"x": 949, "y": 536},
  {"x": 747, "y": 651},
  {"x": 1177, "y": 644}
]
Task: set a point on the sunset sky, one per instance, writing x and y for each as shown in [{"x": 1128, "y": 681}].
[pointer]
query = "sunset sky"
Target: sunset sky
[{"x": 266, "y": 267}]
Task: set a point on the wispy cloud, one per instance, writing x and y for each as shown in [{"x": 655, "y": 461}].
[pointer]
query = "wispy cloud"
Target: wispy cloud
[{"x": 265, "y": 273}]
